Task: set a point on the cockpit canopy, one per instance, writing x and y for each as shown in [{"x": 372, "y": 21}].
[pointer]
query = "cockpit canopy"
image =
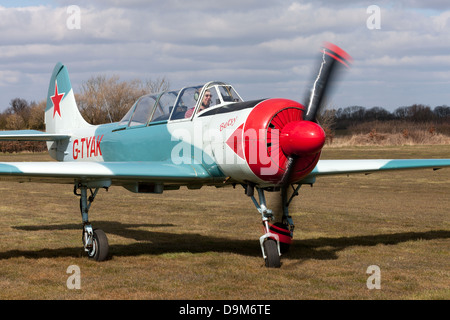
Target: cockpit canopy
[{"x": 179, "y": 105}]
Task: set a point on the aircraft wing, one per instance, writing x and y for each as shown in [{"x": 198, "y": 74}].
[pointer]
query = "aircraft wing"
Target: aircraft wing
[
  {"x": 31, "y": 135},
  {"x": 117, "y": 172},
  {"x": 334, "y": 167}
]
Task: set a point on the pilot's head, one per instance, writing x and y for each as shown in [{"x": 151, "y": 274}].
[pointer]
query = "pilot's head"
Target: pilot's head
[{"x": 206, "y": 102}]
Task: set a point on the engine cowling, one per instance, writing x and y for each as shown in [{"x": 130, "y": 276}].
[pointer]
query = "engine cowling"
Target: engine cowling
[{"x": 273, "y": 131}]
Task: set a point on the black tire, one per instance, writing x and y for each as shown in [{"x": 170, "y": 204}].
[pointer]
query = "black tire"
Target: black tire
[
  {"x": 271, "y": 250},
  {"x": 100, "y": 247}
]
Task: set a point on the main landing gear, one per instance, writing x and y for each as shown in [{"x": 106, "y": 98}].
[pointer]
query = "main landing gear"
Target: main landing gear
[
  {"x": 277, "y": 236},
  {"x": 95, "y": 241},
  {"x": 276, "y": 240}
]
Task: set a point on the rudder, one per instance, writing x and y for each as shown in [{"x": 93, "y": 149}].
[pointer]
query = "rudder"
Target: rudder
[{"x": 61, "y": 113}]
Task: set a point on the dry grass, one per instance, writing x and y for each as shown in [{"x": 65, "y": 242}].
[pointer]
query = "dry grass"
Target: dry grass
[
  {"x": 394, "y": 133},
  {"x": 203, "y": 244},
  {"x": 391, "y": 139}
]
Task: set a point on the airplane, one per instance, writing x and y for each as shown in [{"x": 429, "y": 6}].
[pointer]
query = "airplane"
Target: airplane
[{"x": 204, "y": 135}]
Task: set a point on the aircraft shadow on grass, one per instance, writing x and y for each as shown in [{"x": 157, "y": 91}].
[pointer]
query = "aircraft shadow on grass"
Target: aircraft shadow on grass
[{"x": 155, "y": 243}]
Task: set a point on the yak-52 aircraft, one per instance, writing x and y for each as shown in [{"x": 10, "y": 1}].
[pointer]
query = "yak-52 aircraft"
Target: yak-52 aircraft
[{"x": 198, "y": 136}]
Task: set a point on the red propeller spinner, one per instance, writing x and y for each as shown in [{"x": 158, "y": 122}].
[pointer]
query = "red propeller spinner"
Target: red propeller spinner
[{"x": 302, "y": 138}]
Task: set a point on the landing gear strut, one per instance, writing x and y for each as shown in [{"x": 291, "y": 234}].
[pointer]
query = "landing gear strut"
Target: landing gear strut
[
  {"x": 95, "y": 241},
  {"x": 278, "y": 236}
]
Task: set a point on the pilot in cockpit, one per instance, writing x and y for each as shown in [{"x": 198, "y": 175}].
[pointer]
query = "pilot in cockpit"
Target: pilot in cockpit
[{"x": 206, "y": 102}]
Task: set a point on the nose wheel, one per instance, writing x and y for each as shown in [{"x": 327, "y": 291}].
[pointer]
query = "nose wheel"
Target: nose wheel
[
  {"x": 270, "y": 241},
  {"x": 278, "y": 236},
  {"x": 271, "y": 253}
]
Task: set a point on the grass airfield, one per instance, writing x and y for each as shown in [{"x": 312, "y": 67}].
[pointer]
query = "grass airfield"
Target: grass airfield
[{"x": 204, "y": 244}]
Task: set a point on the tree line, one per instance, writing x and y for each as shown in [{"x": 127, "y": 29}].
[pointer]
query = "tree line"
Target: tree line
[
  {"x": 417, "y": 113},
  {"x": 417, "y": 123}
]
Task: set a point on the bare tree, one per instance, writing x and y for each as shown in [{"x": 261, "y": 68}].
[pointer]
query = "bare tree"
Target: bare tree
[
  {"x": 442, "y": 112},
  {"x": 36, "y": 117},
  {"x": 16, "y": 117},
  {"x": 14, "y": 122},
  {"x": 327, "y": 119}
]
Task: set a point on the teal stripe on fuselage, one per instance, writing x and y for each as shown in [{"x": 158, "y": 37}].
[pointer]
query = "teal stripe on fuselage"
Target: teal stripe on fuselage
[
  {"x": 138, "y": 143},
  {"x": 148, "y": 143}
]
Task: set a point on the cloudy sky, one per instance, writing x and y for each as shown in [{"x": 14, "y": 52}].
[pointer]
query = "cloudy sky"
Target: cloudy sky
[{"x": 265, "y": 48}]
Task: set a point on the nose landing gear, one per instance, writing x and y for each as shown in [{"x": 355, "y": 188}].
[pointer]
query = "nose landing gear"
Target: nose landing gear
[{"x": 278, "y": 236}]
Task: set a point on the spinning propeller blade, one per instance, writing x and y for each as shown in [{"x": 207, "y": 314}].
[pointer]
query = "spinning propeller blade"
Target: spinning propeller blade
[
  {"x": 306, "y": 137},
  {"x": 332, "y": 58}
]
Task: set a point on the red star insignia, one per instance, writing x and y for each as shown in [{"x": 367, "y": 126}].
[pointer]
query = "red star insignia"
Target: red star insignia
[{"x": 56, "y": 99}]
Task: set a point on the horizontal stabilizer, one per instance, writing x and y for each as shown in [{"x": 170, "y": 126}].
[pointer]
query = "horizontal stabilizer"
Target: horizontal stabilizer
[{"x": 31, "y": 135}]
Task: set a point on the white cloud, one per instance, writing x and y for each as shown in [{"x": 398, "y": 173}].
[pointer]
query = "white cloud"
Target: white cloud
[{"x": 8, "y": 77}]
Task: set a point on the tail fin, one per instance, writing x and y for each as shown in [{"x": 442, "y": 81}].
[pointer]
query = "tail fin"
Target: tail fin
[{"x": 61, "y": 113}]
